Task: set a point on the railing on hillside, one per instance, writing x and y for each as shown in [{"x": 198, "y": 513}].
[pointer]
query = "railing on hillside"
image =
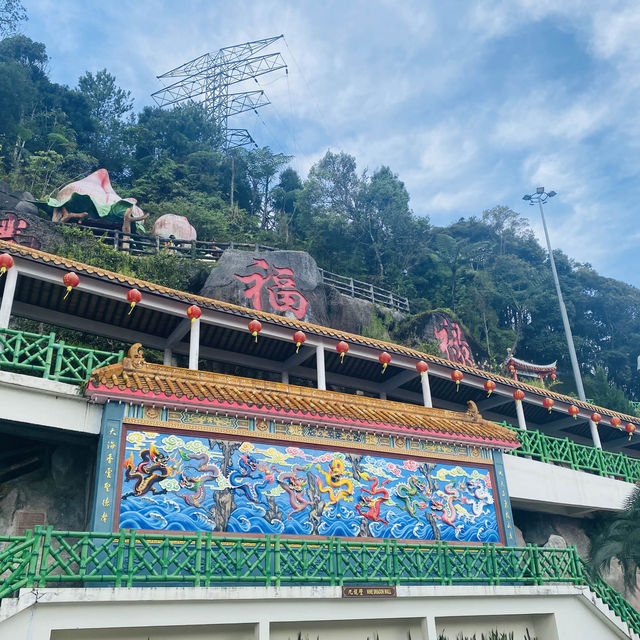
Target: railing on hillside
[
  {"x": 142, "y": 245},
  {"x": 41, "y": 355},
  {"x": 562, "y": 451},
  {"x": 44, "y": 558},
  {"x": 365, "y": 291}
]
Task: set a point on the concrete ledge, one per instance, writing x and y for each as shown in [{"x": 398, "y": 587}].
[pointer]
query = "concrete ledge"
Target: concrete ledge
[
  {"x": 47, "y": 403},
  {"x": 555, "y": 489}
]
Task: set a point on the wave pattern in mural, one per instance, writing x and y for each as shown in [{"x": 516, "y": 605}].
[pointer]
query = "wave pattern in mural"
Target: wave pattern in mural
[{"x": 201, "y": 484}]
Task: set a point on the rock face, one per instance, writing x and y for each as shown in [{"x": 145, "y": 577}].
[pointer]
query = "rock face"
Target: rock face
[
  {"x": 284, "y": 282},
  {"x": 558, "y": 532},
  {"x": 16, "y": 201},
  {"x": 440, "y": 327}
]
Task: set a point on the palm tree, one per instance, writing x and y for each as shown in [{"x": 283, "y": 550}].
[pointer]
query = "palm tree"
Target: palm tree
[{"x": 620, "y": 539}]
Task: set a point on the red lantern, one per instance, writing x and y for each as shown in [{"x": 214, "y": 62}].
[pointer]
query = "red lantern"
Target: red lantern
[
  {"x": 255, "y": 327},
  {"x": 629, "y": 428},
  {"x": 456, "y": 376},
  {"x": 194, "y": 312},
  {"x": 342, "y": 348},
  {"x": 384, "y": 358},
  {"x": 422, "y": 367},
  {"x": 70, "y": 281},
  {"x": 518, "y": 395},
  {"x": 573, "y": 411},
  {"x": 6, "y": 262},
  {"x": 133, "y": 296},
  {"x": 511, "y": 368},
  {"x": 553, "y": 376},
  {"x": 299, "y": 338},
  {"x": 489, "y": 386},
  {"x": 615, "y": 422},
  {"x": 547, "y": 403},
  {"x": 596, "y": 417}
]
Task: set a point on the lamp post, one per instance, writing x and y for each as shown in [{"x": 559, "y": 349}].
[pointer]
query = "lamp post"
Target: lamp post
[{"x": 541, "y": 196}]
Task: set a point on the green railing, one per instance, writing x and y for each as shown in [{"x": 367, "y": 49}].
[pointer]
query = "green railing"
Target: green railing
[
  {"x": 45, "y": 558},
  {"x": 562, "y": 451},
  {"x": 41, "y": 355}
]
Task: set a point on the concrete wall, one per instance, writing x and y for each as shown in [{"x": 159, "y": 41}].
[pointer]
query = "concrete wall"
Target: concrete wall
[
  {"x": 545, "y": 487},
  {"x": 559, "y": 612},
  {"x": 45, "y": 403}
]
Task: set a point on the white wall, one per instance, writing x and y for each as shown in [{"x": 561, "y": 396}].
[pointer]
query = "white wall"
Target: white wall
[
  {"x": 546, "y": 487},
  {"x": 558, "y": 612}
]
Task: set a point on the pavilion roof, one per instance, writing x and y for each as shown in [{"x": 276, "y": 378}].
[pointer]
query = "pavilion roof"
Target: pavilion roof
[
  {"x": 330, "y": 334},
  {"x": 135, "y": 380}
]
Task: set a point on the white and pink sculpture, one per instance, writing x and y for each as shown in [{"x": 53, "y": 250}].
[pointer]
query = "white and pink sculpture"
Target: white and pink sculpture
[{"x": 173, "y": 227}]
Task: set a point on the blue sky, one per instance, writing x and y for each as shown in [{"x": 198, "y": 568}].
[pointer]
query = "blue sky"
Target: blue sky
[{"x": 472, "y": 104}]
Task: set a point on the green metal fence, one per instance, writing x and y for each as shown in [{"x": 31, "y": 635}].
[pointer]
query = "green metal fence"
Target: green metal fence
[
  {"x": 562, "y": 451},
  {"x": 45, "y": 558},
  {"x": 41, "y": 355}
]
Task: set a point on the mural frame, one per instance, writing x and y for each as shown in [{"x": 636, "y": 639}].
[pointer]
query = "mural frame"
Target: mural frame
[{"x": 243, "y": 434}]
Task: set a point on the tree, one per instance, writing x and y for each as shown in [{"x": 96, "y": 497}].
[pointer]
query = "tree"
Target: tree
[
  {"x": 12, "y": 13},
  {"x": 620, "y": 538},
  {"x": 109, "y": 106}
]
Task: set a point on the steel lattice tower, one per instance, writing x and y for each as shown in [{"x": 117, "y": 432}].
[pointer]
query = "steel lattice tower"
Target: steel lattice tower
[{"x": 208, "y": 78}]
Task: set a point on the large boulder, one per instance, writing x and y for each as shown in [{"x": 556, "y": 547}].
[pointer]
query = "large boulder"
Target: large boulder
[
  {"x": 16, "y": 201},
  {"x": 175, "y": 227},
  {"x": 284, "y": 282}
]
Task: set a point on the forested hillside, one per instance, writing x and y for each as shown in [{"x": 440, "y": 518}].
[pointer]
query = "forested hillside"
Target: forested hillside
[{"x": 487, "y": 267}]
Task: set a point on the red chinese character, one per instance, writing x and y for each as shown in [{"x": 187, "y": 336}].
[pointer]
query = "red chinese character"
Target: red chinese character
[
  {"x": 11, "y": 227},
  {"x": 280, "y": 286}
]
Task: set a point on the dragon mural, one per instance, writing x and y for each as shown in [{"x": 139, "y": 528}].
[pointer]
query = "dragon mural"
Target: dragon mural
[{"x": 197, "y": 484}]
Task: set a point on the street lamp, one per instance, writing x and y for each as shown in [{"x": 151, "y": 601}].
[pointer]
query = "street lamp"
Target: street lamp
[{"x": 541, "y": 196}]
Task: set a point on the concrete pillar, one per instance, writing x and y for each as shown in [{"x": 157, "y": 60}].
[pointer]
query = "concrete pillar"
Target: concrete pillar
[
  {"x": 426, "y": 390},
  {"x": 262, "y": 630},
  {"x": 168, "y": 357},
  {"x": 595, "y": 436},
  {"x": 11, "y": 277},
  {"x": 285, "y": 377},
  {"x": 429, "y": 631},
  {"x": 194, "y": 344},
  {"x": 522, "y": 423},
  {"x": 322, "y": 380}
]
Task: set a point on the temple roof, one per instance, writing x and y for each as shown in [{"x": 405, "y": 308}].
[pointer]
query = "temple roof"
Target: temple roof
[
  {"x": 135, "y": 380},
  {"x": 112, "y": 310}
]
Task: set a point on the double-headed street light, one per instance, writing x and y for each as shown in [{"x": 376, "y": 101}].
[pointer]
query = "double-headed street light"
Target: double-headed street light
[{"x": 541, "y": 196}]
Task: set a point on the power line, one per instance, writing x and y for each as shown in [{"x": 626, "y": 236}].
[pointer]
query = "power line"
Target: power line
[{"x": 207, "y": 79}]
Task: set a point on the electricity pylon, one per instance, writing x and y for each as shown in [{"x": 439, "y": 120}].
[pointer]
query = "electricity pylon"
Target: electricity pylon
[{"x": 207, "y": 79}]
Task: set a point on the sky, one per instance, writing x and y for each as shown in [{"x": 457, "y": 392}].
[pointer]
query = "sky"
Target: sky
[{"x": 471, "y": 103}]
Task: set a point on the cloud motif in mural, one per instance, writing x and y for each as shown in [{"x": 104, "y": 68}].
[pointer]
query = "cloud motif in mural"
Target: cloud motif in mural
[{"x": 171, "y": 443}]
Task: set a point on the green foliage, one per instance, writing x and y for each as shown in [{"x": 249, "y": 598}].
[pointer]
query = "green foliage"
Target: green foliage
[{"x": 619, "y": 538}]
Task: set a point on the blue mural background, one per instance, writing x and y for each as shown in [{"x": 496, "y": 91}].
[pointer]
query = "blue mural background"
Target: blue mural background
[{"x": 187, "y": 483}]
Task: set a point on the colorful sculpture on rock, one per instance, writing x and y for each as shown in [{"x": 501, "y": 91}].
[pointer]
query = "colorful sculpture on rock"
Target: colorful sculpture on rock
[
  {"x": 195, "y": 483},
  {"x": 93, "y": 198}
]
